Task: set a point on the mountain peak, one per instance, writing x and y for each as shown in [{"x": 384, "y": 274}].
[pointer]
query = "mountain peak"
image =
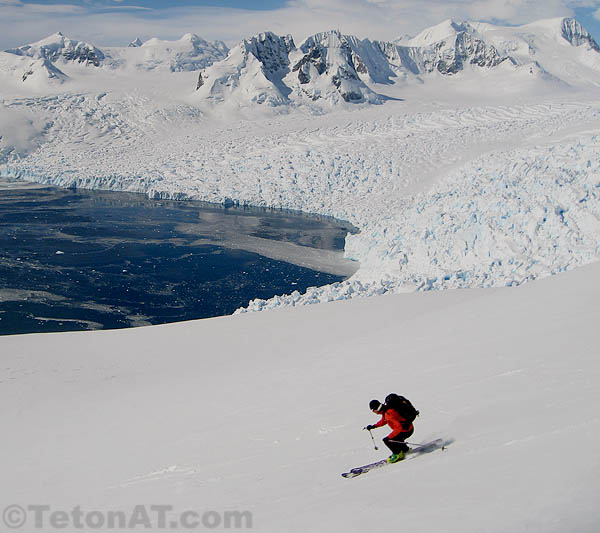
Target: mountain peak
[
  {"x": 191, "y": 37},
  {"x": 270, "y": 49},
  {"x": 57, "y": 46},
  {"x": 331, "y": 38},
  {"x": 188, "y": 53},
  {"x": 577, "y": 35},
  {"x": 439, "y": 32},
  {"x": 57, "y": 37},
  {"x": 268, "y": 36}
]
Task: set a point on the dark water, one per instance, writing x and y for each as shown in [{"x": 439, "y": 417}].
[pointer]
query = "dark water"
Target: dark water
[{"x": 74, "y": 260}]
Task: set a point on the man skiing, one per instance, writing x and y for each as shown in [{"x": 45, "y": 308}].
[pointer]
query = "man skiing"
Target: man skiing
[{"x": 402, "y": 429}]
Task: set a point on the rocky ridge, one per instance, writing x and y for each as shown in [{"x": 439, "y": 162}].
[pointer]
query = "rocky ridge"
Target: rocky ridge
[{"x": 333, "y": 67}]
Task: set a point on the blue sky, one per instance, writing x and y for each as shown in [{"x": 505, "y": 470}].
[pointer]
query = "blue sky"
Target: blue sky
[
  {"x": 117, "y": 22},
  {"x": 585, "y": 15}
]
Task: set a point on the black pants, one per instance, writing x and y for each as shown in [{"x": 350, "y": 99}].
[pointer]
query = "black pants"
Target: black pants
[{"x": 397, "y": 444}]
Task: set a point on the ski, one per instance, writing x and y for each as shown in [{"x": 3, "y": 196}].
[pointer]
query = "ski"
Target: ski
[
  {"x": 364, "y": 469},
  {"x": 437, "y": 444}
]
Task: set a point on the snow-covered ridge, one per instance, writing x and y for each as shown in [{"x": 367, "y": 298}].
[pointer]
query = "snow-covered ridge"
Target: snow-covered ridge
[
  {"x": 190, "y": 53},
  {"x": 252, "y": 71},
  {"x": 336, "y": 68},
  {"x": 331, "y": 67},
  {"x": 328, "y": 67},
  {"x": 270, "y": 69},
  {"x": 41, "y": 64},
  {"x": 51, "y": 58},
  {"x": 58, "y": 47}
]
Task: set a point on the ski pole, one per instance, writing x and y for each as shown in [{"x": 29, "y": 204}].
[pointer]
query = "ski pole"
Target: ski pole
[{"x": 373, "y": 440}]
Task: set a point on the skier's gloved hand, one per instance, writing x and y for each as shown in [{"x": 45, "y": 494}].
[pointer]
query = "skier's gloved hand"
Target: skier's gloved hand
[{"x": 369, "y": 427}]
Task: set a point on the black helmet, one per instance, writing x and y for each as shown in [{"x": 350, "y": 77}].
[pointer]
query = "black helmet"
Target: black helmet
[{"x": 375, "y": 405}]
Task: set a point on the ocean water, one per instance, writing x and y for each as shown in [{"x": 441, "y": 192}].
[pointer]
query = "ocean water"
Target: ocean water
[{"x": 76, "y": 260}]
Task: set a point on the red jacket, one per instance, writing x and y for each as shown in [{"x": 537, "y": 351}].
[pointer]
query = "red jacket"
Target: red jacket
[{"x": 395, "y": 421}]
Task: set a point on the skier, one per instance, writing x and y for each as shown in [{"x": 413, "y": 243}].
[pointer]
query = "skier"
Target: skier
[{"x": 402, "y": 429}]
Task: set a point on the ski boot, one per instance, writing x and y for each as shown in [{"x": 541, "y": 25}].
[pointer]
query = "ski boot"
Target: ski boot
[{"x": 394, "y": 458}]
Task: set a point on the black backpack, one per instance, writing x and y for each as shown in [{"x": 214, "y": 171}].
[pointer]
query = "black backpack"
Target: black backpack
[{"x": 402, "y": 406}]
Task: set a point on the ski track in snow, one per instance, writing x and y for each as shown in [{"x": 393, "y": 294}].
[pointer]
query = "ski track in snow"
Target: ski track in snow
[{"x": 447, "y": 197}]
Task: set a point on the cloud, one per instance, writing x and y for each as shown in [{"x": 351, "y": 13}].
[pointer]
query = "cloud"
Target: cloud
[
  {"x": 24, "y": 9},
  {"x": 380, "y": 19}
]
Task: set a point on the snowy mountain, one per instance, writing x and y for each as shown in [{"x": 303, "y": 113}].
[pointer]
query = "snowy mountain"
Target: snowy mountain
[
  {"x": 56, "y": 58},
  {"x": 577, "y": 35},
  {"x": 189, "y": 53},
  {"x": 58, "y": 48},
  {"x": 270, "y": 69},
  {"x": 327, "y": 66},
  {"x": 342, "y": 68},
  {"x": 562, "y": 48},
  {"x": 253, "y": 71},
  {"x": 452, "y": 54},
  {"x": 41, "y": 65}
]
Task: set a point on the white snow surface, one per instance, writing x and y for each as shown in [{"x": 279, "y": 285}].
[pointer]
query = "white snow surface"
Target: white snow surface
[
  {"x": 482, "y": 177},
  {"x": 262, "y": 412}
]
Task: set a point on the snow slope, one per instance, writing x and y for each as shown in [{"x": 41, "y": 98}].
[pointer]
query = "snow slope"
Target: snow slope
[{"x": 262, "y": 412}]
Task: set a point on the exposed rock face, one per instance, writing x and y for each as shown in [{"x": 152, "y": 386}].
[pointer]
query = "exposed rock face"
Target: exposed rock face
[
  {"x": 333, "y": 67},
  {"x": 381, "y": 61},
  {"x": 83, "y": 53},
  {"x": 58, "y": 46},
  {"x": 330, "y": 66},
  {"x": 273, "y": 53},
  {"x": 314, "y": 58},
  {"x": 577, "y": 35},
  {"x": 252, "y": 71},
  {"x": 327, "y": 67},
  {"x": 451, "y": 55}
]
